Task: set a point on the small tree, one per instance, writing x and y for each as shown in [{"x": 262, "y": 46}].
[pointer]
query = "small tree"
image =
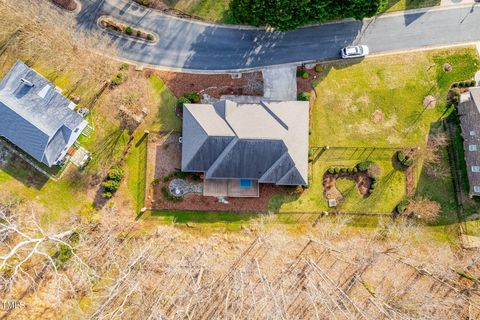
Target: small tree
[{"x": 128, "y": 30}]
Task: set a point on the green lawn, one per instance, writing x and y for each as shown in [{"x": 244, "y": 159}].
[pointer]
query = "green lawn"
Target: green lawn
[
  {"x": 398, "y": 5},
  {"x": 350, "y": 94},
  {"x": 210, "y": 10}
]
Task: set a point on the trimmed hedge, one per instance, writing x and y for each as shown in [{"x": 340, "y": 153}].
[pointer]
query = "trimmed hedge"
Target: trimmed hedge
[
  {"x": 363, "y": 166},
  {"x": 402, "y": 205},
  {"x": 304, "y": 96}
]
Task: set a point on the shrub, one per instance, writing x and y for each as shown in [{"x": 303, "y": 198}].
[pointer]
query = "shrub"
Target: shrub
[
  {"x": 304, "y": 96},
  {"x": 363, "y": 166},
  {"x": 373, "y": 185},
  {"x": 119, "y": 78},
  {"x": 111, "y": 185},
  {"x": 454, "y": 85},
  {"x": 181, "y": 101},
  {"x": 350, "y": 170},
  {"x": 402, "y": 206},
  {"x": 343, "y": 170},
  {"x": 149, "y": 37},
  {"x": 155, "y": 181},
  {"x": 331, "y": 170},
  {"x": 128, "y": 30},
  {"x": 139, "y": 33},
  {"x": 116, "y": 81},
  {"x": 107, "y": 195},
  {"x": 473, "y": 83},
  {"x": 355, "y": 170},
  {"x": 305, "y": 75},
  {"x": 461, "y": 84},
  {"x": 407, "y": 162},
  {"x": 193, "y": 97},
  {"x": 401, "y": 156},
  {"x": 180, "y": 174},
  {"x": 124, "y": 66},
  {"x": 169, "y": 196},
  {"x": 115, "y": 173},
  {"x": 337, "y": 170},
  {"x": 318, "y": 68}
]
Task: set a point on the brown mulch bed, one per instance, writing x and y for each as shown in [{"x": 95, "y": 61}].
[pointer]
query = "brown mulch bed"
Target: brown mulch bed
[
  {"x": 214, "y": 85},
  {"x": 69, "y": 5},
  {"x": 305, "y": 85},
  {"x": 361, "y": 179},
  {"x": 164, "y": 156}
]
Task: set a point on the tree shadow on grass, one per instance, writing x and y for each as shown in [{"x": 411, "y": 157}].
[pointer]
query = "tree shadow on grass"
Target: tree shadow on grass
[{"x": 106, "y": 150}]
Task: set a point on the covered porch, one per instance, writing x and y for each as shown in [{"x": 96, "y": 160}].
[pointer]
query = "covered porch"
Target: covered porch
[{"x": 234, "y": 188}]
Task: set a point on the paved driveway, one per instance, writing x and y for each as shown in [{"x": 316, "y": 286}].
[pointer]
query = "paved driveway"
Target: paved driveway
[{"x": 192, "y": 45}]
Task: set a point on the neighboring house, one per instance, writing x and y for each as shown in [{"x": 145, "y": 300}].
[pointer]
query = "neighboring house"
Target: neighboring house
[
  {"x": 35, "y": 117},
  {"x": 469, "y": 114},
  {"x": 239, "y": 146}
]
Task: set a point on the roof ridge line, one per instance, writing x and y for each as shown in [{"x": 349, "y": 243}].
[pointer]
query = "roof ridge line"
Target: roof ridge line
[
  {"x": 289, "y": 171},
  {"x": 274, "y": 165},
  {"x": 266, "y": 106},
  {"x": 217, "y": 161}
]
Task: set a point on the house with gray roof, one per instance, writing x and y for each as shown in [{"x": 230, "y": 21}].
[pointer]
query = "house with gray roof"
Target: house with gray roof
[
  {"x": 35, "y": 117},
  {"x": 238, "y": 146},
  {"x": 469, "y": 115}
]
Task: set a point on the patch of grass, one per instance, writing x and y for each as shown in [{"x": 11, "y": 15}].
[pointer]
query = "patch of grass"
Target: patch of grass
[
  {"x": 399, "y": 5},
  {"x": 227, "y": 220},
  {"x": 210, "y": 10},
  {"x": 345, "y": 186},
  {"x": 136, "y": 167},
  {"x": 165, "y": 118}
]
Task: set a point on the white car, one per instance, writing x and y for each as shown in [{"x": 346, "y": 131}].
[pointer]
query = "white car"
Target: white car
[{"x": 354, "y": 52}]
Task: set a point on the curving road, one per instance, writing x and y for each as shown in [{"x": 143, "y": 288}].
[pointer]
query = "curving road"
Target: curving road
[{"x": 196, "y": 46}]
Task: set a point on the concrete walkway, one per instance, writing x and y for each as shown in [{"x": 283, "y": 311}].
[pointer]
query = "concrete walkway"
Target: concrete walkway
[{"x": 280, "y": 83}]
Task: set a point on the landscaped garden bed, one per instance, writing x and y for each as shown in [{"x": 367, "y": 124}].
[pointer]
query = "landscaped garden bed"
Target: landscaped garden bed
[
  {"x": 335, "y": 185},
  {"x": 126, "y": 30}
]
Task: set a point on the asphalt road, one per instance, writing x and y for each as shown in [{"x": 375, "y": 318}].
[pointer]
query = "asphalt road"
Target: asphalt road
[{"x": 192, "y": 45}]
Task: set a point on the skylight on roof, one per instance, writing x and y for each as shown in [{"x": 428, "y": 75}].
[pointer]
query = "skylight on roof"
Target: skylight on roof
[{"x": 43, "y": 93}]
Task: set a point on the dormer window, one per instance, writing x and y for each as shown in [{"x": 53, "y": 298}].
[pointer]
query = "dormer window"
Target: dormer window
[
  {"x": 472, "y": 147},
  {"x": 476, "y": 189},
  {"x": 472, "y": 133},
  {"x": 475, "y": 168}
]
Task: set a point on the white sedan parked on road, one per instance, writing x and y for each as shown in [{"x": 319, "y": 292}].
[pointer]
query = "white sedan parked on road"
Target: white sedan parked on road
[{"x": 354, "y": 52}]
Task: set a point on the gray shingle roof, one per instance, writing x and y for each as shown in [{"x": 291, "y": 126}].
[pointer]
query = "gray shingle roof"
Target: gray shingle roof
[
  {"x": 267, "y": 142},
  {"x": 469, "y": 114},
  {"x": 36, "y": 117}
]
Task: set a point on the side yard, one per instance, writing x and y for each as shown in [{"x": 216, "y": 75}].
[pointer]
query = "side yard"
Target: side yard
[{"x": 379, "y": 102}]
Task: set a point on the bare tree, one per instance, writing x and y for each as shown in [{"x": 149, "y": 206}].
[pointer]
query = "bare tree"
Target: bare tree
[
  {"x": 423, "y": 208},
  {"x": 433, "y": 154}
]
